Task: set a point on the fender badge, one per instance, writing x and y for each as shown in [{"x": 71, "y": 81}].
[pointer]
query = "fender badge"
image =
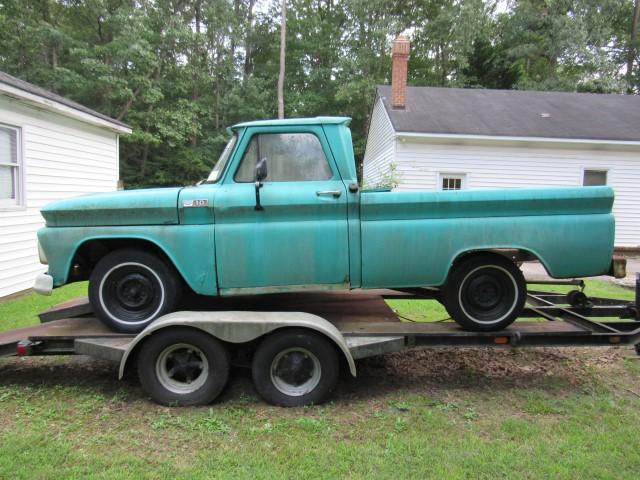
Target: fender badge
[{"x": 198, "y": 202}]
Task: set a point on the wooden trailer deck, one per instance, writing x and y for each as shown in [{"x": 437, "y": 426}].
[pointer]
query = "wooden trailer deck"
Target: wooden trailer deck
[{"x": 364, "y": 318}]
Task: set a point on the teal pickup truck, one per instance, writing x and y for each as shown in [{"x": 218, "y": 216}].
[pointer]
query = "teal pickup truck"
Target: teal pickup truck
[{"x": 282, "y": 211}]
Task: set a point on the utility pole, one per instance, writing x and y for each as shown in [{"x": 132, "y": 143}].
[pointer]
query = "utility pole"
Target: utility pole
[
  {"x": 283, "y": 37},
  {"x": 633, "y": 47}
]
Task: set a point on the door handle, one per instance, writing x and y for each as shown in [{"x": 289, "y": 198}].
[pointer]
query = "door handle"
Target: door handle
[{"x": 334, "y": 193}]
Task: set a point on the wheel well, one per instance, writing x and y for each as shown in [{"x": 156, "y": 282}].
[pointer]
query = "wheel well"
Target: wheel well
[
  {"x": 132, "y": 358},
  {"x": 241, "y": 353},
  {"x": 342, "y": 357},
  {"x": 516, "y": 255},
  {"x": 91, "y": 251}
]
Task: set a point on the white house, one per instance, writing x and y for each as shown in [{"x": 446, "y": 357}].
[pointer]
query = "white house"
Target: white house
[
  {"x": 50, "y": 148},
  {"x": 451, "y": 138}
]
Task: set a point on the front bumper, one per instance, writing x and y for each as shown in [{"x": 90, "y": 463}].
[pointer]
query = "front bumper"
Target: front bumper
[{"x": 43, "y": 284}]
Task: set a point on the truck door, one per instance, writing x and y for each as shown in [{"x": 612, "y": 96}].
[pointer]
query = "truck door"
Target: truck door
[{"x": 299, "y": 240}]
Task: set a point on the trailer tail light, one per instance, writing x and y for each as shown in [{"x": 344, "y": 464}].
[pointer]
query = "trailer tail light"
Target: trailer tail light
[
  {"x": 22, "y": 348},
  {"x": 501, "y": 340}
]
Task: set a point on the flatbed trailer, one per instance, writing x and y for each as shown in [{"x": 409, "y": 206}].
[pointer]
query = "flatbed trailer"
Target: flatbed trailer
[{"x": 294, "y": 342}]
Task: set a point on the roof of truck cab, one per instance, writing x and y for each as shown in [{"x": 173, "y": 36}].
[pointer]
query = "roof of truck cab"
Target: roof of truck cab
[{"x": 296, "y": 121}]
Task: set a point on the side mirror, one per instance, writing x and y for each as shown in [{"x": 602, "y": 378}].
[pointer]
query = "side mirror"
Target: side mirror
[
  {"x": 261, "y": 169},
  {"x": 261, "y": 174}
]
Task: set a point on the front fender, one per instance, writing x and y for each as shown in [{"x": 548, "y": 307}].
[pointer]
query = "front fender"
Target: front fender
[
  {"x": 190, "y": 248},
  {"x": 242, "y": 327}
]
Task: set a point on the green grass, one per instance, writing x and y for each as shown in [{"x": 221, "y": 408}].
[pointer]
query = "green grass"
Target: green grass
[
  {"x": 550, "y": 414},
  {"x": 429, "y": 311},
  {"x": 23, "y": 311}
]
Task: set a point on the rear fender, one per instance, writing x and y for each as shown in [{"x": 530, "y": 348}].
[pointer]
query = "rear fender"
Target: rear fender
[{"x": 241, "y": 327}]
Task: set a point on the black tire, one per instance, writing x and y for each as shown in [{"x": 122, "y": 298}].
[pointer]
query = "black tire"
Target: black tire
[
  {"x": 295, "y": 367},
  {"x": 130, "y": 288},
  {"x": 485, "y": 293},
  {"x": 183, "y": 366}
]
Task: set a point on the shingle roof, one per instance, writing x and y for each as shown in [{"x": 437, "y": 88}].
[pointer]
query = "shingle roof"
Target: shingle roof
[
  {"x": 516, "y": 113},
  {"x": 14, "y": 82}
]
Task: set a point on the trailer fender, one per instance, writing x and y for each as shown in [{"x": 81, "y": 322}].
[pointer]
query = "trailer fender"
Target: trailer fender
[{"x": 241, "y": 327}]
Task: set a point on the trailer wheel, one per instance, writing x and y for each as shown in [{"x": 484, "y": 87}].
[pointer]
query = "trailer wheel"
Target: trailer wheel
[
  {"x": 295, "y": 367},
  {"x": 129, "y": 288},
  {"x": 183, "y": 367},
  {"x": 485, "y": 293}
]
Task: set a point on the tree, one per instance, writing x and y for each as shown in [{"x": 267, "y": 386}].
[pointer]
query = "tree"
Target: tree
[
  {"x": 180, "y": 72},
  {"x": 283, "y": 41},
  {"x": 632, "y": 49}
]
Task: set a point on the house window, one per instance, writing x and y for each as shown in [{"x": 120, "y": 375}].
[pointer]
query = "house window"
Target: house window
[
  {"x": 10, "y": 167},
  {"x": 594, "y": 177},
  {"x": 452, "y": 181}
]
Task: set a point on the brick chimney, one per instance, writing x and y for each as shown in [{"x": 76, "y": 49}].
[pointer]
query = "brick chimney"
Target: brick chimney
[{"x": 400, "y": 58}]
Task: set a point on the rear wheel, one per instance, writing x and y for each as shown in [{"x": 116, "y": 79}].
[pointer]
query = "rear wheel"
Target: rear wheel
[
  {"x": 485, "y": 293},
  {"x": 129, "y": 288},
  {"x": 183, "y": 367},
  {"x": 295, "y": 367}
]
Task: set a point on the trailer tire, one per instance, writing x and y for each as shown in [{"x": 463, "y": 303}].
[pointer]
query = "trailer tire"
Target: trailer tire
[
  {"x": 182, "y": 367},
  {"x": 295, "y": 367},
  {"x": 485, "y": 293},
  {"x": 130, "y": 288}
]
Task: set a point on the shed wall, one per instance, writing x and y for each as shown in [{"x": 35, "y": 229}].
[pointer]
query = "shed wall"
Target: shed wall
[
  {"x": 421, "y": 163},
  {"x": 380, "y": 149},
  {"x": 61, "y": 158}
]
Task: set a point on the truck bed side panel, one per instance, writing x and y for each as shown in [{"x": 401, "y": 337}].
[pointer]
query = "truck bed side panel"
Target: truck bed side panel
[{"x": 412, "y": 238}]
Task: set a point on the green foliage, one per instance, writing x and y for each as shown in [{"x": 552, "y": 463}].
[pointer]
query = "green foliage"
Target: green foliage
[{"x": 181, "y": 72}]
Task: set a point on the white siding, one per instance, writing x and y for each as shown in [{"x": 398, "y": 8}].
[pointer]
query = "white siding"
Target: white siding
[
  {"x": 62, "y": 158},
  {"x": 380, "y": 149},
  {"x": 419, "y": 164}
]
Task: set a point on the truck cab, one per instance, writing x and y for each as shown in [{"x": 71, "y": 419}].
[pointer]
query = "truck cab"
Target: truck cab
[{"x": 299, "y": 236}]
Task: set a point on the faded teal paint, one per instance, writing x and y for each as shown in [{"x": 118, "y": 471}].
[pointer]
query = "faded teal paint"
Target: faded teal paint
[
  {"x": 570, "y": 230},
  {"x": 189, "y": 247},
  {"x": 299, "y": 238},
  {"x": 154, "y": 206},
  {"x": 341, "y": 145},
  {"x": 303, "y": 241},
  {"x": 196, "y": 213},
  {"x": 485, "y": 203},
  {"x": 409, "y": 253}
]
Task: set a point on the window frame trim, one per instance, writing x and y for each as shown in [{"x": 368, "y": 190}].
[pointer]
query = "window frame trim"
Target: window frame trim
[
  {"x": 18, "y": 203},
  {"x": 250, "y": 132},
  {"x": 607, "y": 172},
  {"x": 455, "y": 176}
]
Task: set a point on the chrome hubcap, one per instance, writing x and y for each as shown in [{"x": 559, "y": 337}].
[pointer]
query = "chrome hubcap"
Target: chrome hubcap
[
  {"x": 295, "y": 371},
  {"x": 182, "y": 368}
]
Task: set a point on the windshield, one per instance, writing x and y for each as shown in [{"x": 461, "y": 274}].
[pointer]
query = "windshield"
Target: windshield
[{"x": 220, "y": 165}]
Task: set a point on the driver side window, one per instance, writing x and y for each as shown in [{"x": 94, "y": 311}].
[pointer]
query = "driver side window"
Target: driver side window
[{"x": 291, "y": 157}]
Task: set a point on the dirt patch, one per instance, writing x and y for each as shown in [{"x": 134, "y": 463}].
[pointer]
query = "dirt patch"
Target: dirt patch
[
  {"x": 418, "y": 370},
  {"x": 430, "y": 370}
]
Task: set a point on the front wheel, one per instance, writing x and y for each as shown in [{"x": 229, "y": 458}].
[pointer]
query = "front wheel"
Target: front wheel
[
  {"x": 129, "y": 288},
  {"x": 485, "y": 293},
  {"x": 295, "y": 367}
]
